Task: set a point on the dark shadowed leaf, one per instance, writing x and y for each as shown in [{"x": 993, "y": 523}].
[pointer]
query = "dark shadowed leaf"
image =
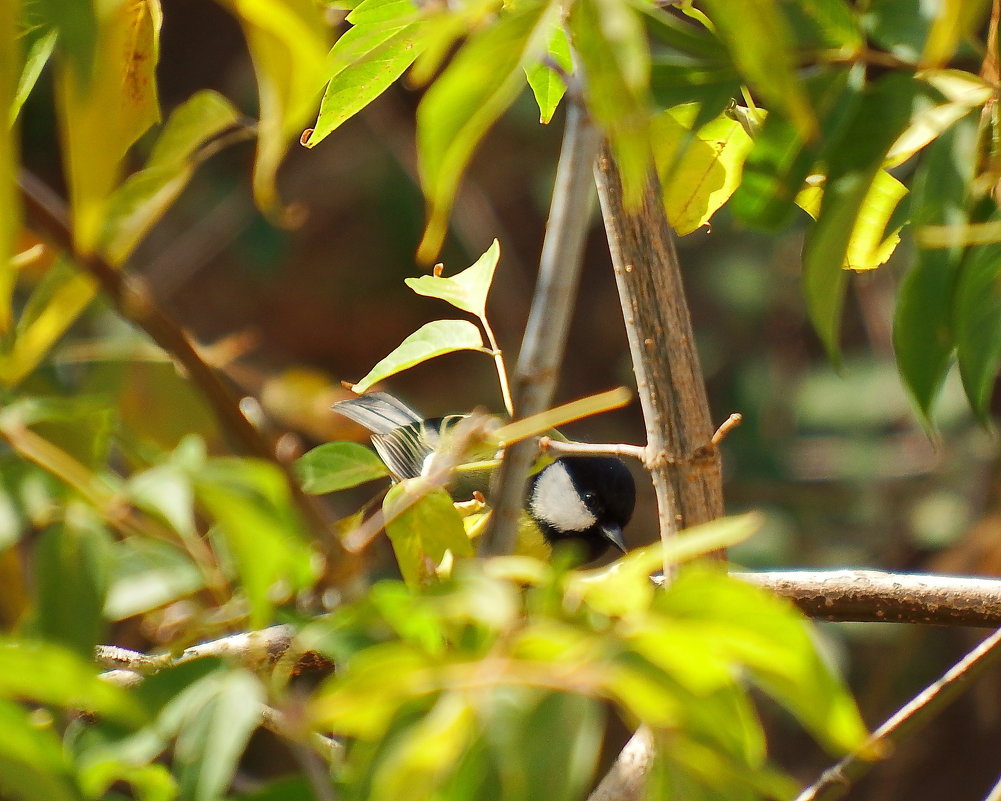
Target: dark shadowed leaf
[
  {"x": 853, "y": 162},
  {"x": 922, "y": 326},
  {"x": 977, "y": 325}
]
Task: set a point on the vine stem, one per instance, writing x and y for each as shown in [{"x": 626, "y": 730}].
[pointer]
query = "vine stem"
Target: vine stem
[{"x": 552, "y": 305}]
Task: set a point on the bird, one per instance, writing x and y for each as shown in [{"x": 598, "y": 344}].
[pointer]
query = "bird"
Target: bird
[{"x": 583, "y": 502}]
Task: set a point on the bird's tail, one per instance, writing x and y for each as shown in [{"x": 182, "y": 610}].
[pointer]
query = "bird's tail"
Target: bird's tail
[{"x": 379, "y": 412}]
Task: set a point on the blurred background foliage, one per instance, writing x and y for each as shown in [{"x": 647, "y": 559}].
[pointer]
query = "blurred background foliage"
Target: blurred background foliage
[{"x": 838, "y": 461}]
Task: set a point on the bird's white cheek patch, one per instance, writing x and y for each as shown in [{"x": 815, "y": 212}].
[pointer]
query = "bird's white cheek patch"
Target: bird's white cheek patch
[{"x": 555, "y": 501}]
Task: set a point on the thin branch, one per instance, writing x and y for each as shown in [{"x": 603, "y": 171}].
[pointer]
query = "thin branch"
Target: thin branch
[
  {"x": 549, "y": 319},
  {"x": 47, "y": 213},
  {"x": 560, "y": 448},
  {"x": 835, "y": 781},
  {"x": 626, "y": 780}
]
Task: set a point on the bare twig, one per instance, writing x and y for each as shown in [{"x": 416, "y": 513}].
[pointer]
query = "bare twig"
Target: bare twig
[
  {"x": 835, "y": 781},
  {"x": 560, "y": 448},
  {"x": 549, "y": 319},
  {"x": 627, "y": 778}
]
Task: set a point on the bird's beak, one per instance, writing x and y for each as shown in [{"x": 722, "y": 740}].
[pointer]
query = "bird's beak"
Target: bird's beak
[{"x": 614, "y": 535}]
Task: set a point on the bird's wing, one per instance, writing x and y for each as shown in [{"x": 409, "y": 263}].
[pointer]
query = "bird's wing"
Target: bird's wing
[
  {"x": 404, "y": 450},
  {"x": 379, "y": 412}
]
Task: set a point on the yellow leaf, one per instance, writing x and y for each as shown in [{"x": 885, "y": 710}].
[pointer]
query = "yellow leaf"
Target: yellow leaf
[
  {"x": 101, "y": 117},
  {"x": 288, "y": 45},
  {"x": 698, "y": 172},
  {"x": 9, "y": 211}
]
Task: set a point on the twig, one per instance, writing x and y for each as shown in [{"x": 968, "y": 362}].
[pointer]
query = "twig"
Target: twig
[
  {"x": 552, "y": 304},
  {"x": 560, "y": 448},
  {"x": 626, "y": 780},
  {"x": 835, "y": 781}
]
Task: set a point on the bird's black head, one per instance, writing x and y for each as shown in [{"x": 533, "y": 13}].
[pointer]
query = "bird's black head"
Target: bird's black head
[{"x": 583, "y": 499}]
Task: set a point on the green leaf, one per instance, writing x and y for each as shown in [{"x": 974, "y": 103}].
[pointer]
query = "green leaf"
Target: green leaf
[
  {"x": 548, "y": 85},
  {"x": 149, "y": 782},
  {"x": 384, "y": 40},
  {"x": 55, "y": 304},
  {"x": 822, "y": 24},
  {"x": 78, "y": 28},
  {"x": 137, "y": 205},
  {"x": 977, "y": 325},
  {"x": 433, "y": 339},
  {"x": 71, "y": 576},
  {"x": 611, "y": 44},
  {"x": 699, "y": 172},
  {"x": 876, "y": 233},
  {"x": 39, "y": 50},
  {"x": 251, "y": 502},
  {"x": 466, "y": 290},
  {"x": 215, "y": 734},
  {"x": 760, "y": 42},
  {"x": 952, "y": 22},
  {"x": 10, "y": 211},
  {"x": 147, "y": 574},
  {"x": 287, "y": 41},
  {"x": 166, "y": 492},
  {"x": 481, "y": 81},
  {"x": 50, "y": 674},
  {"x": 101, "y": 116},
  {"x": 420, "y": 762},
  {"x": 853, "y": 163},
  {"x": 922, "y": 325},
  {"x": 782, "y": 158},
  {"x": 33, "y": 764},
  {"x": 336, "y": 466},
  {"x": 422, "y": 523}
]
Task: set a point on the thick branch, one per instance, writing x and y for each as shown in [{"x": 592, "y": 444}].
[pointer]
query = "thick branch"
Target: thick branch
[
  {"x": 668, "y": 377},
  {"x": 552, "y": 305},
  {"x": 875, "y": 596}
]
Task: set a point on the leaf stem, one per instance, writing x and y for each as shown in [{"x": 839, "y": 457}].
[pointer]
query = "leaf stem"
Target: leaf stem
[{"x": 498, "y": 355}]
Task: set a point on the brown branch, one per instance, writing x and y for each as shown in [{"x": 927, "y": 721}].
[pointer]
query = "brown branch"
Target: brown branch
[
  {"x": 668, "y": 377},
  {"x": 835, "y": 781},
  {"x": 876, "y": 596},
  {"x": 46, "y": 213}
]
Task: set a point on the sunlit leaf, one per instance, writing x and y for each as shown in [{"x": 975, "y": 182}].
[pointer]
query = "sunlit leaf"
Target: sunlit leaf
[
  {"x": 287, "y": 41},
  {"x": 137, "y": 205},
  {"x": 149, "y": 782},
  {"x": 433, "y": 339},
  {"x": 548, "y": 85},
  {"x": 699, "y": 172},
  {"x": 335, "y": 466},
  {"x": 261, "y": 528},
  {"x": 761, "y": 44},
  {"x": 10, "y": 212},
  {"x": 50, "y": 674},
  {"x": 384, "y": 40},
  {"x": 166, "y": 491},
  {"x": 872, "y": 242},
  {"x": 853, "y": 163},
  {"x": 422, "y": 523},
  {"x": 423, "y": 760},
  {"x": 782, "y": 158},
  {"x": 478, "y": 85},
  {"x": 39, "y": 50},
  {"x": 54, "y": 306},
  {"x": 212, "y": 740},
  {"x": 922, "y": 325},
  {"x": 71, "y": 571},
  {"x": 34, "y": 766},
  {"x": 101, "y": 117},
  {"x": 963, "y": 91},
  {"x": 466, "y": 290},
  {"x": 952, "y": 21},
  {"x": 614, "y": 54},
  {"x": 977, "y": 325},
  {"x": 147, "y": 574}
]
